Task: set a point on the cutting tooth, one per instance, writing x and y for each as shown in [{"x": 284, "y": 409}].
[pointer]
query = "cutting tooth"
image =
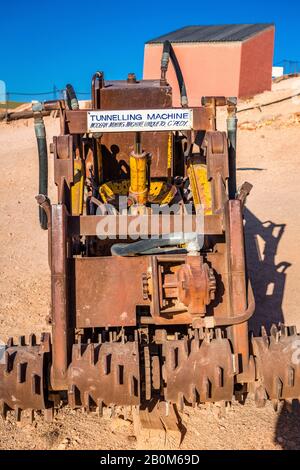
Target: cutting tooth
[
  {"x": 260, "y": 397},
  {"x": 195, "y": 344},
  {"x": 196, "y": 334},
  {"x": 164, "y": 406},
  {"x": 218, "y": 333},
  {"x": 45, "y": 345},
  {"x": 18, "y": 413},
  {"x": 293, "y": 330},
  {"x": 263, "y": 331},
  {"x": 100, "y": 407},
  {"x": 275, "y": 405},
  {"x": 201, "y": 333},
  {"x": 87, "y": 401},
  {"x": 194, "y": 396},
  {"x": 71, "y": 396},
  {"x": 274, "y": 333},
  {"x": 228, "y": 406},
  {"x": 10, "y": 342},
  {"x": 32, "y": 340},
  {"x": 284, "y": 330},
  {"x": 207, "y": 336},
  {"x": 22, "y": 340},
  {"x": 180, "y": 402},
  {"x": 79, "y": 351}
]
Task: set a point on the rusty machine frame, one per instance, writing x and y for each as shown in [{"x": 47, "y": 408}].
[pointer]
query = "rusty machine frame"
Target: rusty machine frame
[{"x": 163, "y": 323}]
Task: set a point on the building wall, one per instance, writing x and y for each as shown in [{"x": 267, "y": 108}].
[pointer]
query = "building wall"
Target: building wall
[
  {"x": 226, "y": 69},
  {"x": 202, "y": 66},
  {"x": 256, "y": 63}
]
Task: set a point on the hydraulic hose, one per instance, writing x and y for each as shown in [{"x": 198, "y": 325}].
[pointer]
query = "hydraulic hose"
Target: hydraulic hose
[
  {"x": 169, "y": 53},
  {"x": 40, "y": 132},
  {"x": 71, "y": 97},
  {"x": 157, "y": 245}
]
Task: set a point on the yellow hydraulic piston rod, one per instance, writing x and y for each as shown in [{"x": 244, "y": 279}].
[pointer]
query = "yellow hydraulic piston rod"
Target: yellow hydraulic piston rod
[{"x": 138, "y": 162}]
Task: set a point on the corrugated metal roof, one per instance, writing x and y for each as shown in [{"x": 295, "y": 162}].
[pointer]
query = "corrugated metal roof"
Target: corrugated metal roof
[{"x": 217, "y": 33}]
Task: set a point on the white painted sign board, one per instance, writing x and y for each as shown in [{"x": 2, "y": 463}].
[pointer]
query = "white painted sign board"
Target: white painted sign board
[{"x": 140, "y": 120}]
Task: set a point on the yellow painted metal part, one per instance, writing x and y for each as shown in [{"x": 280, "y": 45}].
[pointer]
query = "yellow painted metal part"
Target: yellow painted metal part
[
  {"x": 138, "y": 177},
  {"x": 201, "y": 187},
  {"x": 160, "y": 192},
  {"x": 77, "y": 188},
  {"x": 170, "y": 153}
]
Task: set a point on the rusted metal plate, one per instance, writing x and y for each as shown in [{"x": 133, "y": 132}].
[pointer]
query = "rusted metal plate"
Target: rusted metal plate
[
  {"x": 22, "y": 376},
  {"x": 277, "y": 360},
  {"x": 104, "y": 375},
  {"x": 198, "y": 371},
  {"x": 108, "y": 289},
  {"x": 116, "y": 148}
]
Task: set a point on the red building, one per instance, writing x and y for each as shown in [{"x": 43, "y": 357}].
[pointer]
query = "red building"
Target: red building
[{"x": 228, "y": 60}]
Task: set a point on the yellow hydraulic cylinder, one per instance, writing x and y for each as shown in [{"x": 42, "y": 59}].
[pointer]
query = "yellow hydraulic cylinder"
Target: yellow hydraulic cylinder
[
  {"x": 138, "y": 190},
  {"x": 200, "y": 186},
  {"x": 77, "y": 188}
]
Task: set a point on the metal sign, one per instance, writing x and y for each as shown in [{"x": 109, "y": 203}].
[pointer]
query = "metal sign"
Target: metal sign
[{"x": 140, "y": 120}]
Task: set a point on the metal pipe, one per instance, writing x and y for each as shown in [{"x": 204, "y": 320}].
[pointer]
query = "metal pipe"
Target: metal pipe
[
  {"x": 232, "y": 131},
  {"x": 40, "y": 132},
  {"x": 97, "y": 84},
  {"x": 169, "y": 53},
  {"x": 45, "y": 204},
  {"x": 71, "y": 97}
]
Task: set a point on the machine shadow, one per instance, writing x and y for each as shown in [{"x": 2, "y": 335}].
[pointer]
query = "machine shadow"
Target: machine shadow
[
  {"x": 287, "y": 432},
  {"x": 268, "y": 281},
  {"x": 267, "y": 278}
]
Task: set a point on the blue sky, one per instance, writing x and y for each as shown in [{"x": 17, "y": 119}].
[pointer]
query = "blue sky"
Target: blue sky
[{"x": 55, "y": 42}]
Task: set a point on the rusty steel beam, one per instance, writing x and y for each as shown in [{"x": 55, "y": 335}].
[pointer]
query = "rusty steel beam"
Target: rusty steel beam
[
  {"x": 59, "y": 298},
  {"x": 87, "y": 225}
]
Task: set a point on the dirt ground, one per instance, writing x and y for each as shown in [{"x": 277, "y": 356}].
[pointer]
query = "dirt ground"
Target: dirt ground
[{"x": 268, "y": 157}]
